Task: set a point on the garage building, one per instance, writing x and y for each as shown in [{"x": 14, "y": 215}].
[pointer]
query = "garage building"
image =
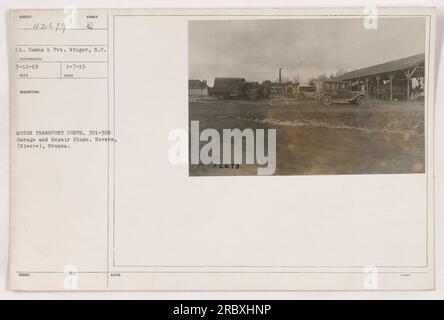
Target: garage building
[{"x": 397, "y": 79}]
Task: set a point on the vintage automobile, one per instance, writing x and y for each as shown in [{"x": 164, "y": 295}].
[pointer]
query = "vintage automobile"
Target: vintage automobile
[
  {"x": 306, "y": 92},
  {"x": 238, "y": 88},
  {"x": 291, "y": 90},
  {"x": 335, "y": 91}
]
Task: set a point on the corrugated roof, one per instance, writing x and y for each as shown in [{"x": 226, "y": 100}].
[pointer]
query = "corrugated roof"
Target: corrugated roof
[{"x": 392, "y": 66}]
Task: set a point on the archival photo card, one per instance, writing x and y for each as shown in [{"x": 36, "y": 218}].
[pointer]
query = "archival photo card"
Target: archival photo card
[{"x": 222, "y": 149}]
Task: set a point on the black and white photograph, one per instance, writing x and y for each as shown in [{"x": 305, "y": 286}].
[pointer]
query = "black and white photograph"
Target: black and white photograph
[{"x": 345, "y": 96}]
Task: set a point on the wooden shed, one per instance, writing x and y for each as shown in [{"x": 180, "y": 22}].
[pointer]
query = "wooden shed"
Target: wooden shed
[{"x": 197, "y": 87}]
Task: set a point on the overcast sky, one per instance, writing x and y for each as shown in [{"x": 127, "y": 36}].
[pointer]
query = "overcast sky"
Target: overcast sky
[{"x": 255, "y": 49}]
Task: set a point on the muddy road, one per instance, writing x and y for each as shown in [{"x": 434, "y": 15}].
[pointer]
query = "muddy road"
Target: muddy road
[{"x": 376, "y": 138}]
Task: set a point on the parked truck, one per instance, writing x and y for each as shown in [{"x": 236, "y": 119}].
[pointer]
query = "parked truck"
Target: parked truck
[{"x": 238, "y": 88}]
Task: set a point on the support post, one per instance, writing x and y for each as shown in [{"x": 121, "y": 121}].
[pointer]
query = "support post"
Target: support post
[
  {"x": 377, "y": 85},
  {"x": 408, "y": 88},
  {"x": 391, "y": 77},
  {"x": 367, "y": 93},
  {"x": 408, "y": 75}
]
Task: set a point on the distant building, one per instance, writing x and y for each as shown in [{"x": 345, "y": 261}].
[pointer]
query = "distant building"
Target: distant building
[
  {"x": 197, "y": 88},
  {"x": 287, "y": 88}
]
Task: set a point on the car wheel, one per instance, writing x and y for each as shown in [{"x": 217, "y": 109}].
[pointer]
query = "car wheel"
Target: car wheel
[
  {"x": 326, "y": 100},
  {"x": 360, "y": 100},
  {"x": 301, "y": 96}
]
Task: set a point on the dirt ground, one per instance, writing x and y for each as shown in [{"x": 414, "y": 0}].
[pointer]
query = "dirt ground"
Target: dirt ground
[{"x": 378, "y": 137}]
